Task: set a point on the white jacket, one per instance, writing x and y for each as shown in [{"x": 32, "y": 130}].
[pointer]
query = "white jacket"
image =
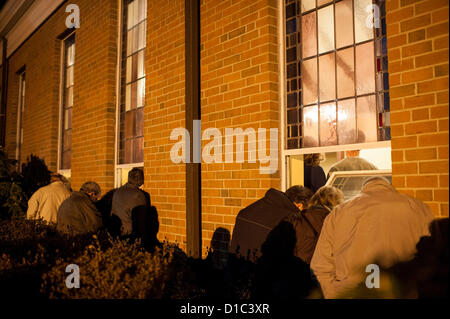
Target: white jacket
[
  {"x": 379, "y": 226},
  {"x": 46, "y": 200}
]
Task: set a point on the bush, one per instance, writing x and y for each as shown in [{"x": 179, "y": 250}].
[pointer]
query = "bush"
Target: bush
[
  {"x": 13, "y": 201},
  {"x": 125, "y": 270},
  {"x": 35, "y": 175}
]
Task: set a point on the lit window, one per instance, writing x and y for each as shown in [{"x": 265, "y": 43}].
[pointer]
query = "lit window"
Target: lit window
[
  {"x": 67, "y": 103},
  {"x": 336, "y": 73},
  {"x": 131, "y": 139},
  {"x": 20, "y": 111}
]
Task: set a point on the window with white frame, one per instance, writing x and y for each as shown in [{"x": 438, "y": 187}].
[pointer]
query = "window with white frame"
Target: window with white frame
[
  {"x": 337, "y": 87},
  {"x": 67, "y": 103},
  {"x": 131, "y": 139},
  {"x": 20, "y": 111},
  {"x": 130, "y": 135}
]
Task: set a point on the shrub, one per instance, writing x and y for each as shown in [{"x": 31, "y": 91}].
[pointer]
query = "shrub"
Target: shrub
[
  {"x": 124, "y": 270},
  {"x": 13, "y": 201},
  {"x": 35, "y": 175}
]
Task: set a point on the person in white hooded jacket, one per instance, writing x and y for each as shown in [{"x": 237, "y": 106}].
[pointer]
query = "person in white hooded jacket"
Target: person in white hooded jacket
[{"x": 378, "y": 226}]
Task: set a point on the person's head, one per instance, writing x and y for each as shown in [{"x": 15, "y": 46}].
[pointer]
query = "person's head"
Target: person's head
[
  {"x": 92, "y": 189},
  {"x": 136, "y": 177},
  {"x": 375, "y": 179},
  {"x": 55, "y": 177},
  {"x": 313, "y": 159},
  {"x": 352, "y": 153},
  {"x": 299, "y": 195},
  {"x": 327, "y": 196}
]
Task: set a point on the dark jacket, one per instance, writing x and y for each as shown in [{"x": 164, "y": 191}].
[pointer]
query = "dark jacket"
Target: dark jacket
[
  {"x": 314, "y": 177},
  {"x": 307, "y": 225},
  {"x": 78, "y": 214},
  {"x": 125, "y": 199},
  {"x": 256, "y": 221}
]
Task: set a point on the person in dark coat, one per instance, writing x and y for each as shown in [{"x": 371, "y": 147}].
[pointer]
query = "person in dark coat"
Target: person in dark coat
[
  {"x": 78, "y": 214},
  {"x": 314, "y": 175},
  {"x": 127, "y": 198},
  {"x": 255, "y": 222}
]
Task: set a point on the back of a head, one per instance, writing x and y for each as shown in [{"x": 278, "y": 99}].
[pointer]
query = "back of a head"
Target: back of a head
[
  {"x": 312, "y": 159},
  {"x": 90, "y": 187},
  {"x": 136, "y": 177},
  {"x": 55, "y": 177},
  {"x": 299, "y": 194},
  {"x": 327, "y": 196}
]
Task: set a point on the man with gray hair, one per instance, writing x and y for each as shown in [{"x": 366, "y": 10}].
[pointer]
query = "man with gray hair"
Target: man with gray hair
[
  {"x": 128, "y": 199},
  {"x": 379, "y": 226},
  {"x": 78, "y": 214}
]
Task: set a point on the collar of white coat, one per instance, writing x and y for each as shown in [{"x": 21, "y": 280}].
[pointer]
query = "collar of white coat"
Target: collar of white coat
[{"x": 376, "y": 184}]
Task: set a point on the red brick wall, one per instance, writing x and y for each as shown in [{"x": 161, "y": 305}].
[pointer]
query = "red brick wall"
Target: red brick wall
[
  {"x": 94, "y": 93},
  {"x": 418, "y": 66},
  {"x": 164, "y": 111},
  {"x": 41, "y": 57},
  {"x": 239, "y": 88}
]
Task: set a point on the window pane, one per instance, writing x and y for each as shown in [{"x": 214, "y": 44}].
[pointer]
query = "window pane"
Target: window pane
[
  {"x": 310, "y": 126},
  {"x": 326, "y": 29},
  {"x": 140, "y": 92},
  {"x": 345, "y": 73},
  {"x": 130, "y": 40},
  {"x": 140, "y": 64},
  {"x": 130, "y": 19},
  {"x": 128, "y": 155},
  {"x": 367, "y": 119},
  {"x": 69, "y": 118},
  {"x": 129, "y": 69},
  {"x": 308, "y": 5},
  {"x": 70, "y": 55},
  {"x": 327, "y": 77},
  {"x": 133, "y": 95},
  {"x": 69, "y": 97},
  {"x": 67, "y": 140},
  {"x": 138, "y": 150},
  {"x": 134, "y": 67},
  {"x": 309, "y": 74},
  {"x": 128, "y": 98},
  {"x": 69, "y": 76},
  {"x": 365, "y": 68},
  {"x": 66, "y": 160},
  {"x": 322, "y": 2},
  {"x": 140, "y": 37},
  {"x": 309, "y": 37},
  {"x": 346, "y": 122},
  {"x": 142, "y": 10},
  {"x": 363, "y": 31},
  {"x": 292, "y": 117},
  {"x": 130, "y": 124},
  {"x": 344, "y": 23},
  {"x": 328, "y": 135},
  {"x": 140, "y": 122}
]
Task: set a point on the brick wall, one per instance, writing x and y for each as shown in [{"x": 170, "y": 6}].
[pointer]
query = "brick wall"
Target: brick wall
[
  {"x": 239, "y": 88},
  {"x": 41, "y": 56},
  {"x": 418, "y": 66},
  {"x": 94, "y": 109},
  {"x": 164, "y": 111},
  {"x": 93, "y": 117}
]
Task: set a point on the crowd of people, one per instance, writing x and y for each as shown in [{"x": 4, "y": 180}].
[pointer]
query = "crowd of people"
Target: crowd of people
[{"x": 302, "y": 240}]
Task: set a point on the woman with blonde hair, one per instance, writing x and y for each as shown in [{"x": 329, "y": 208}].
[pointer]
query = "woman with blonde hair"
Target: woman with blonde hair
[{"x": 308, "y": 224}]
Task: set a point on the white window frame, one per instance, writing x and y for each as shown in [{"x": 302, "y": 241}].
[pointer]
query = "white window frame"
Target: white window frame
[
  {"x": 285, "y": 153},
  {"x": 20, "y": 111},
  {"x": 118, "y": 167},
  {"x": 65, "y": 172}
]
